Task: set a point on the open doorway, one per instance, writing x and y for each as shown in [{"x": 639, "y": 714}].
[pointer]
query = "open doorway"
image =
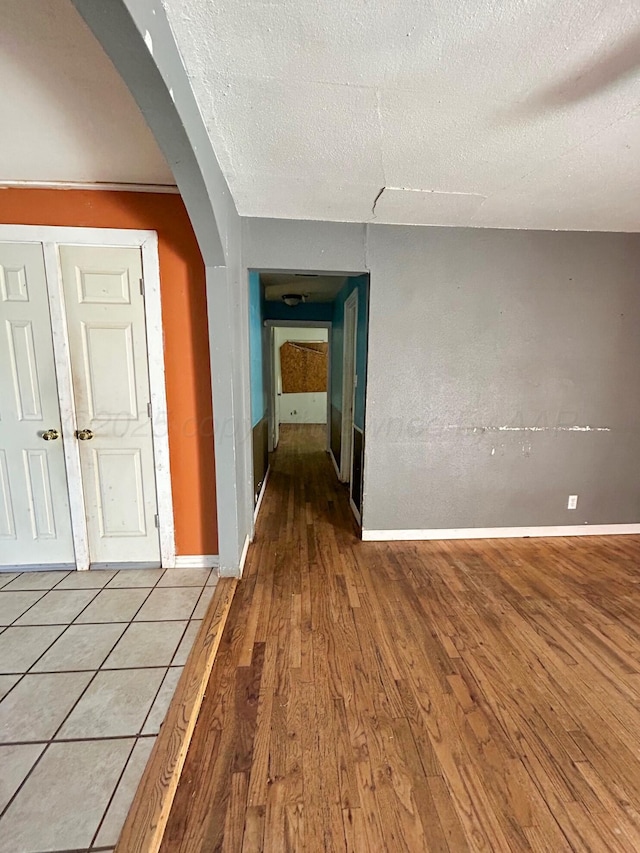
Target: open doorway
[
  {"x": 299, "y": 376},
  {"x": 308, "y": 342}
]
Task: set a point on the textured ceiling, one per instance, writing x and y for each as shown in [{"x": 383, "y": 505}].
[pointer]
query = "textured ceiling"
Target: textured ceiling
[
  {"x": 66, "y": 113},
  {"x": 518, "y": 113},
  {"x": 317, "y": 288}
]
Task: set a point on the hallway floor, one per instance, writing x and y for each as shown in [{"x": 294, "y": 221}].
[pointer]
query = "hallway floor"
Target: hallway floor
[
  {"x": 88, "y": 664},
  {"x": 417, "y": 696}
]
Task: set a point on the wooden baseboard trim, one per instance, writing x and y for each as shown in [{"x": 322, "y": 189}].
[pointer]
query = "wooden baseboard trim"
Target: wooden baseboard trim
[
  {"x": 261, "y": 495},
  {"x": 147, "y": 819},
  {"x": 243, "y": 556},
  {"x": 355, "y": 511},
  {"x": 335, "y": 465},
  {"x": 500, "y": 532},
  {"x": 197, "y": 561}
]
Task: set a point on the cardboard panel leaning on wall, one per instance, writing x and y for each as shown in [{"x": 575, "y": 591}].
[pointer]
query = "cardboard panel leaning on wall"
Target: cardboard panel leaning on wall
[
  {"x": 302, "y": 407},
  {"x": 303, "y": 367},
  {"x": 186, "y": 341}
]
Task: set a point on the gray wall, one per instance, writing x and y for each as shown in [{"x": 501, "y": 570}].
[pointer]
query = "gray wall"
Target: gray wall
[{"x": 474, "y": 330}]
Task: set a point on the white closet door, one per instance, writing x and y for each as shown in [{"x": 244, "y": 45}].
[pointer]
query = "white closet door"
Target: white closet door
[
  {"x": 35, "y": 524},
  {"x": 107, "y": 339}
]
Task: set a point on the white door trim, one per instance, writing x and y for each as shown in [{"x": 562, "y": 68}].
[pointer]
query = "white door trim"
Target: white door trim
[
  {"x": 68, "y": 423},
  {"x": 51, "y": 236},
  {"x": 296, "y": 324},
  {"x": 348, "y": 390}
]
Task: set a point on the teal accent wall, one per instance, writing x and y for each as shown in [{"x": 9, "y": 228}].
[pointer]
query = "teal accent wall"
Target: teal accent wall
[
  {"x": 337, "y": 344},
  {"x": 256, "y": 317},
  {"x": 361, "y": 284},
  {"x": 306, "y": 311}
]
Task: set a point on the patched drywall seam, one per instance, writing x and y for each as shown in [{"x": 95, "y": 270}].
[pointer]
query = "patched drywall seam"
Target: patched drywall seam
[
  {"x": 310, "y": 114},
  {"x": 476, "y": 429}
]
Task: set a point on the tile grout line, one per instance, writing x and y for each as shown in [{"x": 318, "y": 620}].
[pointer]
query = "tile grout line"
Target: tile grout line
[
  {"x": 113, "y": 793},
  {"x": 62, "y": 633},
  {"x": 170, "y": 666},
  {"x": 135, "y": 737},
  {"x": 71, "y": 740},
  {"x": 100, "y": 668},
  {"x": 13, "y": 625},
  {"x": 153, "y": 701},
  {"x": 37, "y": 601},
  {"x": 108, "y": 622},
  {"x": 101, "y": 849},
  {"x": 66, "y": 717}
]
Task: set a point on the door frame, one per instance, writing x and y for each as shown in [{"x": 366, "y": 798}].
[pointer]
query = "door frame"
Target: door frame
[
  {"x": 348, "y": 388},
  {"x": 295, "y": 324},
  {"x": 51, "y": 236}
]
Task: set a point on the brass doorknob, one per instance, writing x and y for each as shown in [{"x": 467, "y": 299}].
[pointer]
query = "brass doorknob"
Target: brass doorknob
[
  {"x": 84, "y": 434},
  {"x": 50, "y": 434}
]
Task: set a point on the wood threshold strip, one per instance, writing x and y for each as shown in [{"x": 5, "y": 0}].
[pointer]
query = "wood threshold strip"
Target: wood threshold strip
[{"x": 145, "y": 824}]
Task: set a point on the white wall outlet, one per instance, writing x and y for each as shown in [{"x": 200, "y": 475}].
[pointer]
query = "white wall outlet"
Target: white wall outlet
[{"x": 572, "y": 502}]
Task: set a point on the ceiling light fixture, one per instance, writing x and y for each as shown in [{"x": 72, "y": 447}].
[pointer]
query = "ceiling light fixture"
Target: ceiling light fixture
[{"x": 293, "y": 299}]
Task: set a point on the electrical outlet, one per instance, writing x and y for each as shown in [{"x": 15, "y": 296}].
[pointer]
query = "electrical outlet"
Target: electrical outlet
[{"x": 572, "y": 502}]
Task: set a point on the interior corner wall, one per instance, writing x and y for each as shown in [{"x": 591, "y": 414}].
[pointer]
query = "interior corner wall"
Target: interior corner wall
[
  {"x": 186, "y": 341},
  {"x": 502, "y": 371},
  {"x": 503, "y": 377},
  {"x": 228, "y": 300}
]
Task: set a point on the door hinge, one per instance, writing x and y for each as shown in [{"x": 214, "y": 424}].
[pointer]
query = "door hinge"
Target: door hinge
[
  {"x": 141, "y": 287},
  {"x": 149, "y": 409},
  {"x": 156, "y": 519}
]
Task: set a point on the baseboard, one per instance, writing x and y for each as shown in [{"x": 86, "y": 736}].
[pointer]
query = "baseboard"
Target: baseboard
[
  {"x": 261, "y": 495},
  {"x": 355, "y": 510},
  {"x": 335, "y": 464},
  {"x": 243, "y": 556},
  {"x": 197, "y": 561},
  {"x": 125, "y": 567},
  {"x": 38, "y": 567},
  {"x": 500, "y": 532}
]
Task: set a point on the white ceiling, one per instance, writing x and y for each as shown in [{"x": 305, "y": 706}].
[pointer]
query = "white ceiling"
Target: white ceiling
[
  {"x": 66, "y": 114},
  {"x": 518, "y": 113},
  {"x": 317, "y": 288}
]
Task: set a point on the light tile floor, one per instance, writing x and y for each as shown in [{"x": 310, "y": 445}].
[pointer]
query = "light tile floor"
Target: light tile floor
[{"x": 89, "y": 662}]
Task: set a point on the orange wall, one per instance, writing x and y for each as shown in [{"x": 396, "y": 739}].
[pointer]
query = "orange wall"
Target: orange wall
[{"x": 186, "y": 339}]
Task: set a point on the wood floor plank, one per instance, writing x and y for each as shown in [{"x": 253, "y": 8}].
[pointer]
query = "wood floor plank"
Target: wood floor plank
[{"x": 419, "y": 696}]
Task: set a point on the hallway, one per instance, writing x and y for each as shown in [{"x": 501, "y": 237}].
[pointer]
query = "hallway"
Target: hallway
[{"x": 478, "y": 695}]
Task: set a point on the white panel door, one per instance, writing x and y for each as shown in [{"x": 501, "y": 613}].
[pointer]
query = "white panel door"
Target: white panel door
[
  {"x": 35, "y": 523},
  {"x": 107, "y": 340}
]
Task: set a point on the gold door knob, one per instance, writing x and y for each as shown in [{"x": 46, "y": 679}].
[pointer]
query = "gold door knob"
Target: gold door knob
[
  {"x": 50, "y": 434},
  {"x": 84, "y": 434}
]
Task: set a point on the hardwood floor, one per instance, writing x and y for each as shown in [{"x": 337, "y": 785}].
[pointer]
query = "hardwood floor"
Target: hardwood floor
[{"x": 415, "y": 696}]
